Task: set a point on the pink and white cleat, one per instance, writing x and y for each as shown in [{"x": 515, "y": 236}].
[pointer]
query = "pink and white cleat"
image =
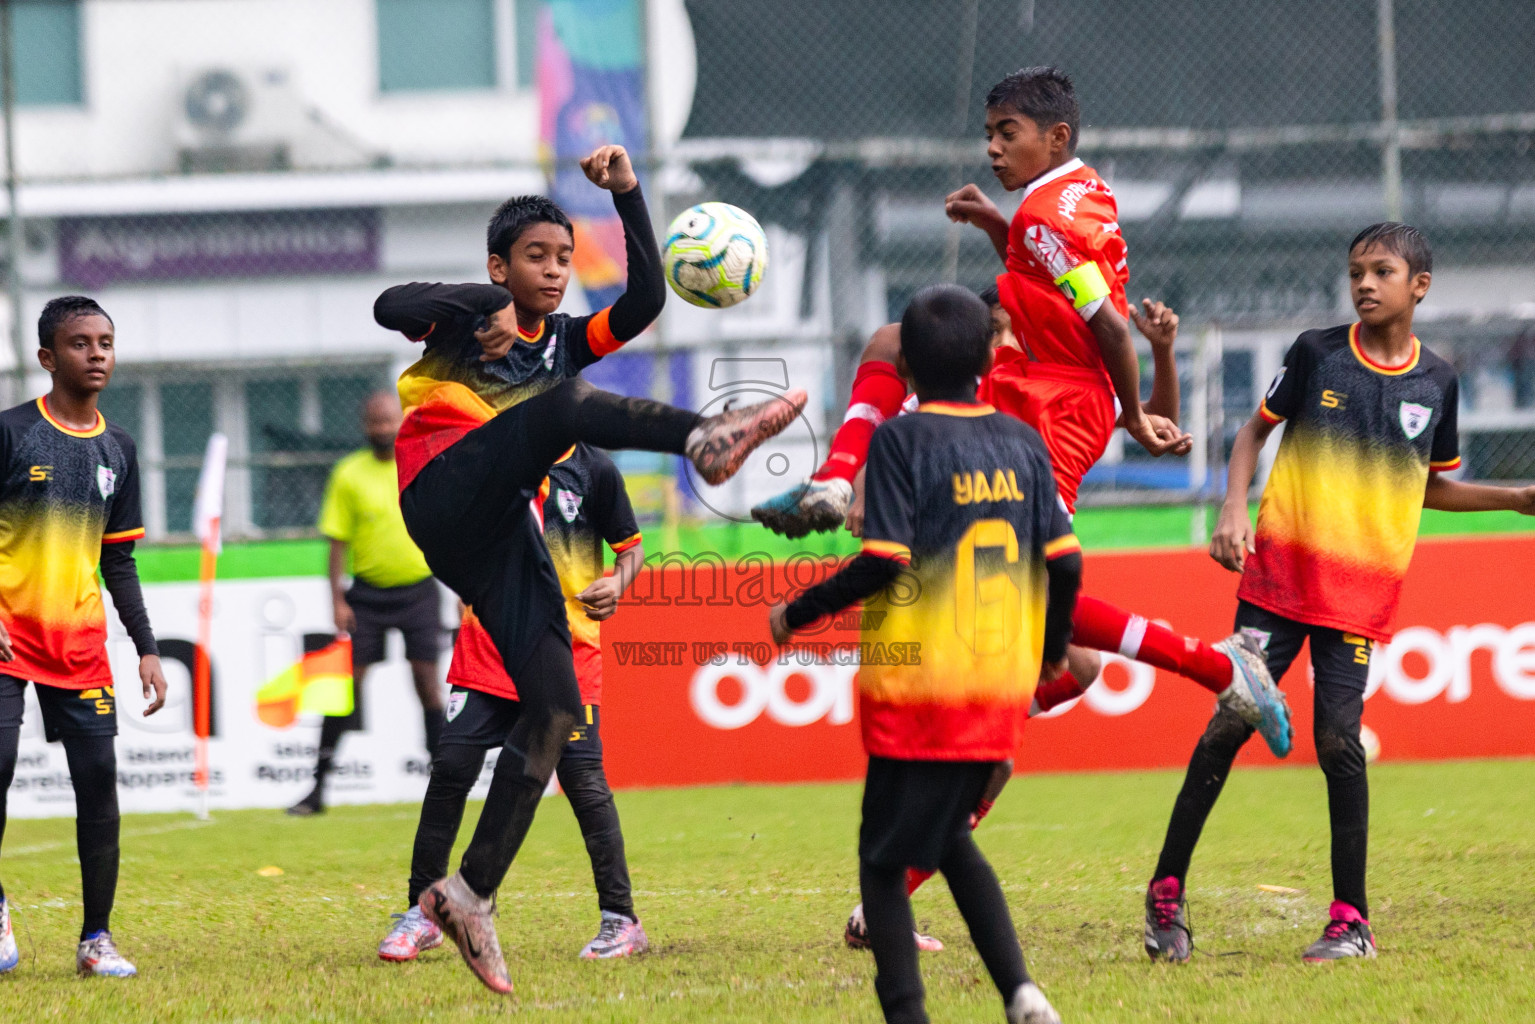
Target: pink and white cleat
[
  {"x": 618, "y": 936},
  {"x": 856, "y": 935},
  {"x": 468, "y": 920},
  {"x": 411, "y": 935},
  {"x": 10, "y": 956},
  {"x": 97, "y": 956}
]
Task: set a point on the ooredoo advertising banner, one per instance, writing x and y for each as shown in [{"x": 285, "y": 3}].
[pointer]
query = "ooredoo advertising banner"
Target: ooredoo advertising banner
[{"x": 696, "y": 693}]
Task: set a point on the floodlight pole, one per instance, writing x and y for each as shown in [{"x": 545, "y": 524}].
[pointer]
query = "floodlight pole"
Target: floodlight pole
[
  {"x": 1391, "y": 144},
  {"x": 14, "y": 232}
]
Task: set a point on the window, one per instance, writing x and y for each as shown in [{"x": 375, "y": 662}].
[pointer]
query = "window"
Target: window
[
  {"x": 186, "y": 416},
  {"x": 298, "y": 428},
  {"x": 46, "y": 38},
  {"x": 428, "y": 45}
]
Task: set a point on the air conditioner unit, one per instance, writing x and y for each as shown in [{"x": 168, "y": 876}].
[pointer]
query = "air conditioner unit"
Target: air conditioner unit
[{"x": 237, "y": 119}]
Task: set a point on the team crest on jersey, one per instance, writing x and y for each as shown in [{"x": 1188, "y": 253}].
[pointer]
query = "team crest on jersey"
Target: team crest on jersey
[
  {"x": 1414, "y": 419},
  {"x": 1277, "y": 378},
  {"x": 554, "y": 341},
  {"x": 456, "y": 700},
  {"x": 106, "y": 481},
  {"x": 570, "y": 504}
]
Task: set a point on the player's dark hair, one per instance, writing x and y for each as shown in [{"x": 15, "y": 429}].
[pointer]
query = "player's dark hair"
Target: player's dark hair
[
  {"x": 1044, "y": 95},
  {"x": 1402, "y": 240},
  {"x": 515, "y": 216},
  {"x": 946, "y": 338},
  {"x": 63, "y": 309},
  {"x": 991, "y": 296}
]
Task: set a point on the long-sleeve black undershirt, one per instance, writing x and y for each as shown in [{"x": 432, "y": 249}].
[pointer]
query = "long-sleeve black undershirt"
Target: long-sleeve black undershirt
[
  {"x": 1064, "y": 576},
  {"x": 120, "y": 573},
  {"x": 866, "y": 575},
  {"x": 862, "y": 578}
]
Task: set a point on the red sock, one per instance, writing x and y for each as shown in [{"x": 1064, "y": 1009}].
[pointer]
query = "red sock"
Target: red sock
[
  {"x": 1057, "y": 691},
  {"x": 877, "y": 395},
  {"x": 1103, "y": 627}
]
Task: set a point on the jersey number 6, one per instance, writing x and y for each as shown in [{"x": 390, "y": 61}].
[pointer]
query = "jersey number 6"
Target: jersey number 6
[{"x": 988, "y": 610}]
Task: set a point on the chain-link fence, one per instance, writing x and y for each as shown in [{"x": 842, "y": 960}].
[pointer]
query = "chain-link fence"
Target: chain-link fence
[{"x": 1245, "y": 144}]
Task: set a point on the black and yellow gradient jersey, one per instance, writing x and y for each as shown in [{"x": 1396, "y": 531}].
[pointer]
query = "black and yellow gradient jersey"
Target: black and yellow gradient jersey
[
  {"x": 1339, "y": 516},
  {"x": 64, "y": 493},
  {"x": 951, "y": 652},
  {"x": 449, "y": 391},
  {"x": 586, "y": 506}
]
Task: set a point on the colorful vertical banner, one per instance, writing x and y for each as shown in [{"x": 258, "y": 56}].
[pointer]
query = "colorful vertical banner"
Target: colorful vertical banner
[{"x": 591, "y": 91}]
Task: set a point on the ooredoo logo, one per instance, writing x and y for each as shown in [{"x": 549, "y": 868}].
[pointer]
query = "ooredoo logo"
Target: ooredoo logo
[
  {"x": 1421, "y": 663},
  {"x": 824, "y": 691}
]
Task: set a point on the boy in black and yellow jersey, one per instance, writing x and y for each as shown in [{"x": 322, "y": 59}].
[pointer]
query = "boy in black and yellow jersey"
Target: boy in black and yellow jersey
[
  {"x": 491, "y": 405},
  {"x": 69, "y": 503},
  {"x": 1370, "y": 432},
  {"x": 969, "y": 566}
]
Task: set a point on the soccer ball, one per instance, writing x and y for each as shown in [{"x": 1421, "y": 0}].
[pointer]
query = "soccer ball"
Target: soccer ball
[
  {"x": 715, "y": 255},
  {"x": 1371, "y": 744}
]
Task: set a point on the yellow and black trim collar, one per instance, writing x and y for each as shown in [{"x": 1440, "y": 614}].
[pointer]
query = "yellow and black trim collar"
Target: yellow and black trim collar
[
  {"x": 957, "y": 408},
  {"x": 96, "y": 431},
  {"x": 1390, "y": 371}
]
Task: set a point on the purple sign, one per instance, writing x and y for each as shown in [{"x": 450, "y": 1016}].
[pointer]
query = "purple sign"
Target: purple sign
[{"x": 98, "y": 251}]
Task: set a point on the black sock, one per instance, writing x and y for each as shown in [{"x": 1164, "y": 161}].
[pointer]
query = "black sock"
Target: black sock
[
  {"x": 331, "y": 729},
  {"x": 586, "y": 787},
  {"x": 454, "y": 772},
  {"x": 981, "y": 903},
  {"x": 10, "y": 740},
  {"x": 1348, "y": 808},
  {"x": 887, "y": 916},
  {"x": 433, "y": 720},
  {"x": 1202, "y": 786},
  {"x": 93, "y": 772}
]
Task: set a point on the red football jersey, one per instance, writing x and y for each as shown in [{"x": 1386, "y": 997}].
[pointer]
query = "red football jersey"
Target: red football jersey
[{"x": 1065, "y": 258}]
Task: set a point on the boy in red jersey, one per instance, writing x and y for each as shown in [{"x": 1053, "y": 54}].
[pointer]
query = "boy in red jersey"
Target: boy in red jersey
[
  {"x": 491, "y": 405},
  {"x": 1063, "y": 291},
  {"x": 586, "y": 507},
  {"x": 69, "y": 504},
  {"x": 963, "y": 504},
  {"x": 1371, "y": 430}
]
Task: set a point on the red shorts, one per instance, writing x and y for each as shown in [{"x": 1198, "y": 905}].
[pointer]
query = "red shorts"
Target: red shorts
[{"x": 1070, "y": 407}]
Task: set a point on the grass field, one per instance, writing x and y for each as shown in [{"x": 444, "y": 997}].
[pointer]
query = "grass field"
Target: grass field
[{"x": 744, "y": 890}]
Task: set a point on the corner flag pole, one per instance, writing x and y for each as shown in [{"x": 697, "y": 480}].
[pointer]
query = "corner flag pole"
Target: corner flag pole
[{"x": 207, "y": 512}]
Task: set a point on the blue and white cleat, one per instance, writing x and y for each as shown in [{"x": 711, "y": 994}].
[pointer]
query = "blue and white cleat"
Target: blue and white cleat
[
  {"x": 814, "y": 506},
  {"x": 1253, "y": 695},
  {"x": 10, "y": 956},
  {"x": 97, "y": 956}
]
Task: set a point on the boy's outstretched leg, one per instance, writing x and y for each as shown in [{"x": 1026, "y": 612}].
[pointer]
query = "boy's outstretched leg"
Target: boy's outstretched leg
[
  {"x": 821, "y": 502},
  {"x": 1233, "y": 669}
]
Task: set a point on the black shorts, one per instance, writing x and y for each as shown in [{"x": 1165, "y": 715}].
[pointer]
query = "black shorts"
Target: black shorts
[
  {"x": 415, "y": 610},
  {"x": 913, "y": 810},
  {"x": 479, "y": 719},
  {"x": 91, "y": 712},
  {"x": 1340, "y": 661}
]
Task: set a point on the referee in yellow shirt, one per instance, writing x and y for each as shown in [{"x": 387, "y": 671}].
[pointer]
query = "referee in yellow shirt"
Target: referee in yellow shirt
[{"x": 392, "y": 588}]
